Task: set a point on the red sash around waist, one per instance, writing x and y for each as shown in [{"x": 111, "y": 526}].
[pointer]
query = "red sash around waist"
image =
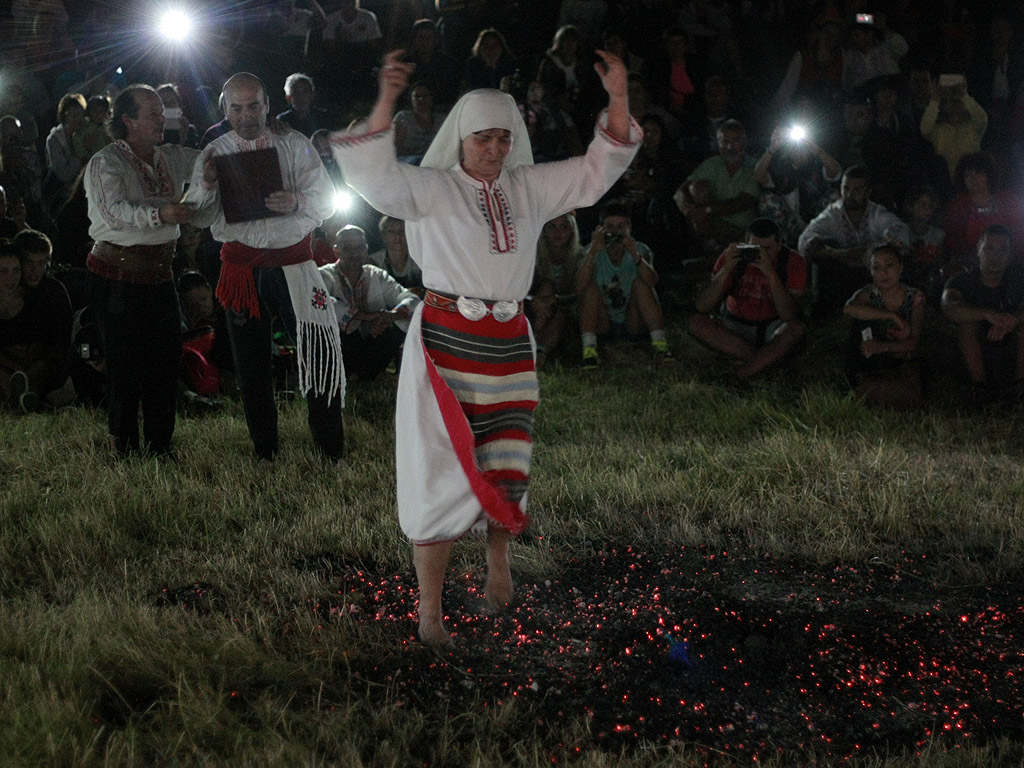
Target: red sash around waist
[{"x": 236, "y": 288}]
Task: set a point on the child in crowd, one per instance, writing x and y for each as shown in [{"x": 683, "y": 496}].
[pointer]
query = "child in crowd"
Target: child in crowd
[
  {"x": 616, "y": 282},
  {"x": 888, "y": 317},
  {"x": 926, "y": 262}
]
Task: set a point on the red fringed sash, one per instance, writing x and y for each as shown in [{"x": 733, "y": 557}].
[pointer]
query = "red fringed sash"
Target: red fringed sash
[{"x": 236, "y": 288}]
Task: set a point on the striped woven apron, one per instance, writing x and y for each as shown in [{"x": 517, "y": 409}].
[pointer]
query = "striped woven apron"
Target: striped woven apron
[{"x": 483, "y": 376}]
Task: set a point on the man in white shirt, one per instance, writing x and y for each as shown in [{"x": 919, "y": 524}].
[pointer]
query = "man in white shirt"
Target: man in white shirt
[
  {"x": 268, "y": 270},
  {"x": 837, "y": 240},
  {"x": 373, "y": 309},
  {"x": 133, "y": 187}
]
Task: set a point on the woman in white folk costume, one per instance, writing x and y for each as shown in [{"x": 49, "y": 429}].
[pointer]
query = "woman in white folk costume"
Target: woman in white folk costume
[{"x": 468, "y": 387}]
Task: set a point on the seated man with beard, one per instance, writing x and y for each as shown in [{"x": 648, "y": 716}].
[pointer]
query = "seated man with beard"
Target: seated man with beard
[{"x": 836, "y": 243}]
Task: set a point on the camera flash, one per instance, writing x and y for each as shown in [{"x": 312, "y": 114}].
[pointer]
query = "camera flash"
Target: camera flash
[{"x": 797, "y": 133}]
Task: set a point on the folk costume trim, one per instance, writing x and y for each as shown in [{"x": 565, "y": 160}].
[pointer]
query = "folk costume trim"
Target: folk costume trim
[
  {"x": 494, "y": 205},
  {"x": 155, "y": 179}
]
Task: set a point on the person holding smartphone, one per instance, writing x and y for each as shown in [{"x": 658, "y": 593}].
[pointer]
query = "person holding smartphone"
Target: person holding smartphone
[
  {"x": 953, "y": 123},
  {"x": 756, "y": 287}
]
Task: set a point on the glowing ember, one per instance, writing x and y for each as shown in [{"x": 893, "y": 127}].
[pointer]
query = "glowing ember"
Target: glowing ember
[{"x": 742, "y": 655}]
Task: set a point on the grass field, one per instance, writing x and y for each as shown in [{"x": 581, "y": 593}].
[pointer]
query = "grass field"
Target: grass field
[{"x": 204, "y": 612}]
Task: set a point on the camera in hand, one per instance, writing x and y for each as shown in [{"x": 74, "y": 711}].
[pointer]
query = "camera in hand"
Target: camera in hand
[
  {"x": 89, "y": 352},
  {"x": 748, "y": 253},
  {"x": 613, "y": 238}
]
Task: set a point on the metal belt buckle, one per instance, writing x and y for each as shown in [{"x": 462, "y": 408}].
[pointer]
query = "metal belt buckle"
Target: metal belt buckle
[
  {"x": 471, "y": 309},
  {"x": 504, "y": 311}
]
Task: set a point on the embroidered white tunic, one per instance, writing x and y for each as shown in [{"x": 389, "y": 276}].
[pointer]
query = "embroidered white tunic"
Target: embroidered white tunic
[
  {"x": 375, "y": 291},
  {"x": 302, "y": 172},
  {"x": 477, "y": 239},
  {"x": 125, "y": 193}
]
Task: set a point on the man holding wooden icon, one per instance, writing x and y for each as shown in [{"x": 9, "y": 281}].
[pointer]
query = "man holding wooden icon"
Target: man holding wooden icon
[{"x": 266, "y": 191}]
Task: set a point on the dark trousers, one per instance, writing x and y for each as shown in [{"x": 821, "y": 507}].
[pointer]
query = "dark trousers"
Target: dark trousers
[
  {"x": 367, "y": 357},
  {"x": 252, "y": 349},
  {"x": 140, "y": 326}
]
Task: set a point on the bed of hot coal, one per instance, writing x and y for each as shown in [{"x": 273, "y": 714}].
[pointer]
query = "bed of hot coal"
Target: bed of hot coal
[{"x": 739, "y": 654}]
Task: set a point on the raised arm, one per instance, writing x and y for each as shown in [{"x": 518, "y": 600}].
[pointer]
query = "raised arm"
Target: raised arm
[
  {"x": 392, "y": 81},
  {"x": 614, "y": 78}
]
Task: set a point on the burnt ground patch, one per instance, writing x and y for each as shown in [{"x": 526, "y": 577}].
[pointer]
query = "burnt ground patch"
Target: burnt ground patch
[{"x": 736, "y": 653}]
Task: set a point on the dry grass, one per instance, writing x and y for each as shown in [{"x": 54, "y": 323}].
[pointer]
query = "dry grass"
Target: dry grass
[{"x": 102, "y": 667}]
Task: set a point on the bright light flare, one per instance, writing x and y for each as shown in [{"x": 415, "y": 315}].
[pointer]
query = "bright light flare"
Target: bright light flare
[
  {"x": 342, "y": 200},
  {"x": 175, "y": 25},
  {"x": 797, "y": 133}
]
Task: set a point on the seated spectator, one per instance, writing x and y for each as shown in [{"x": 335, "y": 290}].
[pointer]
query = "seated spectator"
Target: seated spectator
[
  {"x": 553, "y": 299},
  {"x": 394, "y": 257},
  {"x": 92, "y": 136},
  {"x": 62, "y": 167},
  {"x": 700, "y": 140},
  {"x": 978, "y": 205},
  {"x": 640, "y": 105},
  {"x": 836, "y": 243},
  {"x": 553, "y": 134},
  {"x": 895, "y": 129},
  {"x": 873, "y": 50},
  {"x": 304, "y": 115},
  {"x": 798, "y": 178},
  {"x": 21, "y": 172},
  {"x": 490, "y": 62},
  {"x": 925, "y": 264},
  {"x": 953, "y": 122},
  {"x": 14, "y": 384},
  {"x": 353, "y": 43},
  {"x": 719, "y": 198},
  {"x": 755, "y": 286},
  {"x": 178, "y": 129},
  {"x": 416, "y": 127},
  {"x": 373, "y": 309},
  {"x": 433, "y": 66},
  {"x": 669, "y": 75},
  {"x": 816, "y": 70},
  {"x": 615, "y": 283},
  {"x": 206, "y": 349},
  {"x": 567, "y": 78},
  {"x": 888, "y": 317},
  {"x": 987, "y": 306},
  {"x": 36, "y": 339},
  {"x": 862, "y": 142},
  {"x": 648, "y": 186}
]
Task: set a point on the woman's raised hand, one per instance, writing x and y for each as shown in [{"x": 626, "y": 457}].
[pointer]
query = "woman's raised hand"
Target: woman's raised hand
[
  {"x": 394, "y": 74},
  {"x": 612, "y": 72}
]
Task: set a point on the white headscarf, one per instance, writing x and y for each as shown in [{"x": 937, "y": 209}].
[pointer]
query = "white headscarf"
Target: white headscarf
[{"x": 479, "y": 110}]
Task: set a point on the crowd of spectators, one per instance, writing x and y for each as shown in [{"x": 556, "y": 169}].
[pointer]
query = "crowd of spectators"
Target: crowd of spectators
[{"x": 800, "y": 159}]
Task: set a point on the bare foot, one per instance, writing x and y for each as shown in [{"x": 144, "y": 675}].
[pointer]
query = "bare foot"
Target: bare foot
[
  {"x": 434, "y": 635},
  {"x": 498, "y": 586}
]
